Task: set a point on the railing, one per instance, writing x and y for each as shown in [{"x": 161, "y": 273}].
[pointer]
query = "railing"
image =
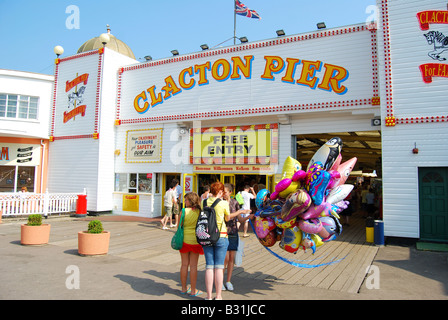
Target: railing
[{"x": 23, "y": 203}]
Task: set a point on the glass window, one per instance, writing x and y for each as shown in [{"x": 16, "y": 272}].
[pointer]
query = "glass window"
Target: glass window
[
  {"x": 14, "y": 178},
  {"x": 144, "y": 182},
  {"x": 32, "y": 110},
  {"x": 25, "y": 178},
  {"x": 121, "y": 182},
  {"x": 133, "y": 182},
  {"x": 7, "y": 177},
  {"x": 11, "y": 110},
  {"x": 2, "y": 105},
  {"x": 21, "y": 107}
]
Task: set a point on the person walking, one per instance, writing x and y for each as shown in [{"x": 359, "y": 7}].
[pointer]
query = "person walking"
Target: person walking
[
  {"x": 191, "y": 249},
  {"x": 215, "y": 255},
  {"x": 370, "y": 200},
  {"x": 248, "y": 193},
  {"x": 178, "y": 207},
  {"x": 169, "y": 203},
  {"x": 364, "y": 192},
  {"x": 232, "y": 232}
]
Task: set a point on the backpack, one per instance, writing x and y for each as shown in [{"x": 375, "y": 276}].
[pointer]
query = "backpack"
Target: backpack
[
  {"x": 239, "y": 198},
  {"x": 207, "y": 233}
]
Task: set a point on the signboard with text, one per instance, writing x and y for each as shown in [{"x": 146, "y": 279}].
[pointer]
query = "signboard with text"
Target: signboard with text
[
  {"x": 252, "y": 144},
  {"x": 144, "y": 145}
]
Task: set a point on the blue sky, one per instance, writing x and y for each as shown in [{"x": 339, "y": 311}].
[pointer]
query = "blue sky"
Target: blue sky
[{"x": 30, "y": 29}]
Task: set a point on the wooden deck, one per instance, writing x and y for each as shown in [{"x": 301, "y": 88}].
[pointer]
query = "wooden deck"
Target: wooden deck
[
  {"x": 353, "y": 253},
  {"x": 143, "y": 239}
]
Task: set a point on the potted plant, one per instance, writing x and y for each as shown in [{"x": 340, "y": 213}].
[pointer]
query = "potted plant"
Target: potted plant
[
  {"x": 94, "y": 241},
  {"x": 34, "y": 232}
]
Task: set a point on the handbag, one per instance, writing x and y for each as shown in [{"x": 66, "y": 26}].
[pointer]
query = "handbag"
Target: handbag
[
  {"x": 239, "y": 254},
  {"x": 178, "y": 239}
]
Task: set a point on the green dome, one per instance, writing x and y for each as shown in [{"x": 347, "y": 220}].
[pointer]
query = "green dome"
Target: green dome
[{"x": 114, "y": 44}]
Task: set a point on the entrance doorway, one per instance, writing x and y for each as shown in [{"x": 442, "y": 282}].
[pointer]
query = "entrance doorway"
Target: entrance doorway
[
  {"x": 433, "y": 203},
  {"x": 365, "y": 146},
  {"x": 166, "y": 182},
  {"x": 256, "y": 181}
]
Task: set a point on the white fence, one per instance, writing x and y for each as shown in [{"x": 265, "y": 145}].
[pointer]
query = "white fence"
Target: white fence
[{"x": 15, "y": 204}]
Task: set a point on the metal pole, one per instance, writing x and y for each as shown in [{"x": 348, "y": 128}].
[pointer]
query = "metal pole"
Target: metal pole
[{"x": 234, "y": 22}]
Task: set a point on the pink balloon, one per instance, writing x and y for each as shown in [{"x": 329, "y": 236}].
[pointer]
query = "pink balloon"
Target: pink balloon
[
  {"x": 299, "y": 175},
  {"x": 310, "y": 226},
  {"x": 281, "y": 185},
  {"x": 315, "y": 211},
  {"x": 335, "y": 177},
  {"x": 344, "y": 169}
]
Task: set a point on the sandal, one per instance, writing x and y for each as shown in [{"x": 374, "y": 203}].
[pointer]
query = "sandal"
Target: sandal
[
  {"x": 185, "y": 292},
  {"x": 198, "y": 292}
]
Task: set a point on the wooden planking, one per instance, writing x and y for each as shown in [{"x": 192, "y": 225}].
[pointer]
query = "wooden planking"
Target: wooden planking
[
  {"x": 146, "y": 241},
  {"x": 346, "y": 275}
]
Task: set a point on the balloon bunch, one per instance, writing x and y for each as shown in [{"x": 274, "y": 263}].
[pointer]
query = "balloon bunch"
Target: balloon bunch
[{"x": 303, "y": 210}]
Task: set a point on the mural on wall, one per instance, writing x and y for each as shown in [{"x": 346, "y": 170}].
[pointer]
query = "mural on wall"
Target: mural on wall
[
  {"x": 75, "y": 97},
  {"x": 438, "y": 42}
]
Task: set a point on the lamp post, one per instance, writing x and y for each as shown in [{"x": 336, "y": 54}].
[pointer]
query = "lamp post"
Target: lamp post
[
  {"x": 58, "y": 50},
  {"x": 104, "y": 38}
]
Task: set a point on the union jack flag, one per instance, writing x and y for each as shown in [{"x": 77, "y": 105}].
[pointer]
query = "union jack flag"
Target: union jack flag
[{"x": 242, "y": 10}]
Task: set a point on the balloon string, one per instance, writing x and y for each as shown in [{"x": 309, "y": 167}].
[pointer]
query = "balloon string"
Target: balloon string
[{"x": 293, "y": 263}]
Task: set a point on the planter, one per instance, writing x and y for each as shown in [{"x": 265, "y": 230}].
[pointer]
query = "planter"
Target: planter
[
  {"x": 35, "y": 235},
  {"x": 90, "y": 244}
]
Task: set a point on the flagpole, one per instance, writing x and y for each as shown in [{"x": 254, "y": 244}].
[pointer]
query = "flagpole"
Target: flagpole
[{"x": 234, "y": 22}]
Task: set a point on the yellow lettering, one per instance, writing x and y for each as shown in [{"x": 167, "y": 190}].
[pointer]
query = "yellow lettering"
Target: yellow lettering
[
  {"x": 141, "y": 96},
  {"x": 182, "y": 83},
  {"x": 274, "y": 64},
  {"x": 244, "y": 68},
  {"x": 424, "y": 18},
  {"x": 332, "y": 79},
  {"x": 307, "y": 77},
  {"x": 170, "y": 87},
  {"x": 290, "y": 69},
  {"x": 200, "y": 68},
  {"x": 224, "y": 65},
  {"x": 154, "y": 100}
]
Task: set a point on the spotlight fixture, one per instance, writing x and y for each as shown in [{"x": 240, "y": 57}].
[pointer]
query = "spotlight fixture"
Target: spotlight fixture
[
  {"x": 204, "y": 46},
  {"x": 321, "y": 25},
  {"x": 175, "y": 52},
  {"x": 244, "y": 40},
  {"x": 280, "y": 32}
]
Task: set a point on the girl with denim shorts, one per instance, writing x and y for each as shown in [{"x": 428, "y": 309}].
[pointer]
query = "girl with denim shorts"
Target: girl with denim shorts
[{"x": 215, "y": 255}]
